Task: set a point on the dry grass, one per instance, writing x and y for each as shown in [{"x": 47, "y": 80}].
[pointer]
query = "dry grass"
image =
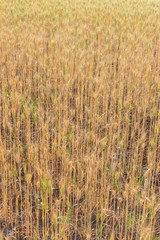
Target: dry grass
[{"x": 79, "y": 120}]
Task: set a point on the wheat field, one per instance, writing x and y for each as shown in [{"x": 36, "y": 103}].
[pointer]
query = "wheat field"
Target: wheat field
[{"x": 79, "y": 120}]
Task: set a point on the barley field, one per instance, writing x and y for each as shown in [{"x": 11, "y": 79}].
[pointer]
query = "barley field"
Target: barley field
[{"x": 79, "y": 120}]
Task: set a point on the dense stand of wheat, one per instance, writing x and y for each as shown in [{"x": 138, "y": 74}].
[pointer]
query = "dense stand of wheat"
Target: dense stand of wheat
[{"x": 79, "y": 120}]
